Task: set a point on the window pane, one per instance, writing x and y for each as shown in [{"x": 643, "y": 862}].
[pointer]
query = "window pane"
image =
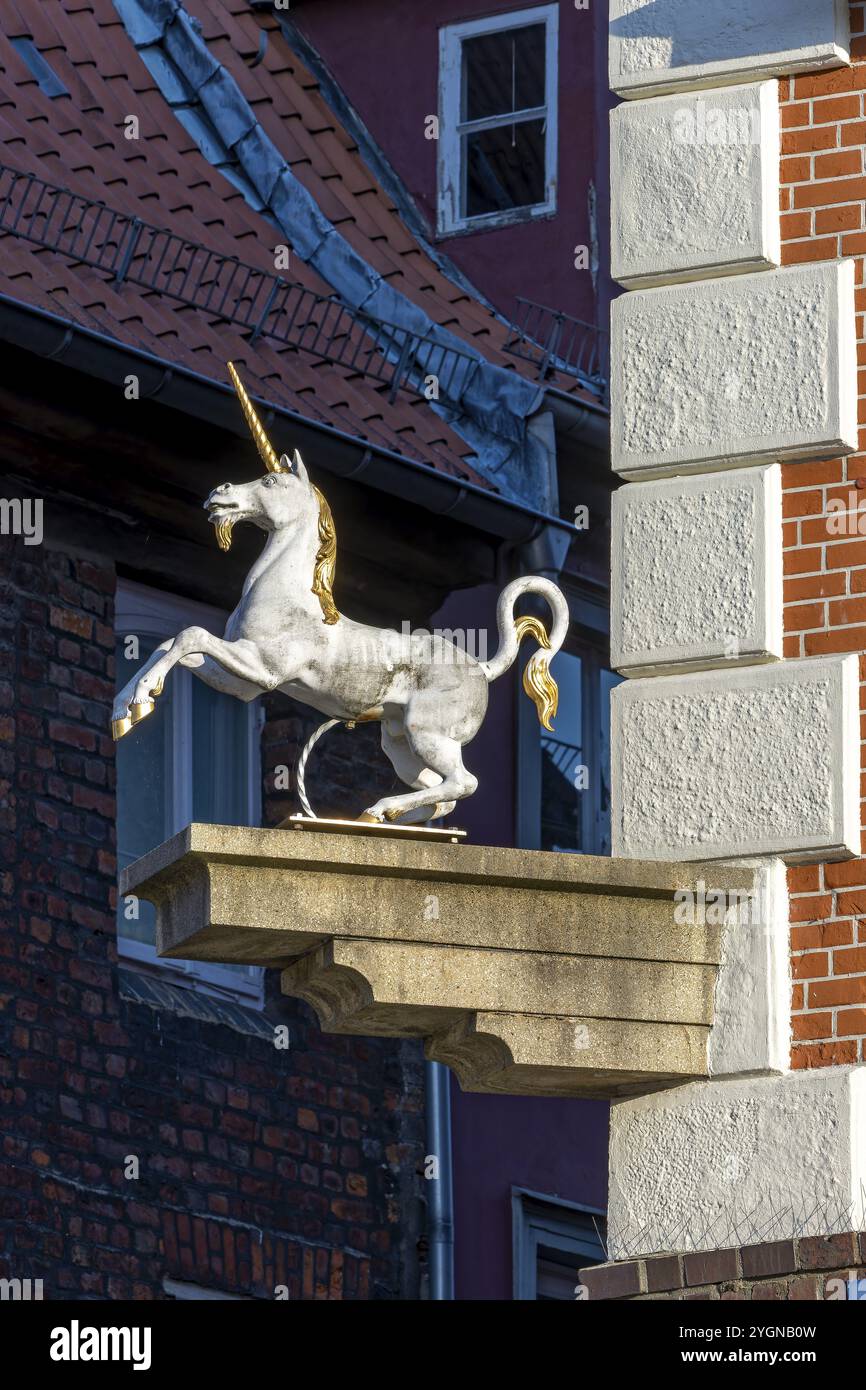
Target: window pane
[
  {"x": 607, "y": 679},
  {"x": 557, "y": 1274},
  {"x": 220, "y": 760},
  {"x": 504, "y": 168},
  {"x": 503, "y": 72},
  {"x": 144, "y": 773},
  {"x": 561, "y": 761},
  {"x": 220, "y": 772},
  {"x": 155, "y": 797}
]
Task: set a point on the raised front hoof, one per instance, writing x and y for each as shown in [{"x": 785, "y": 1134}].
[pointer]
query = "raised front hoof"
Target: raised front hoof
[
  {"x": 367, "y": 818},
  {"x": 137, "y": 712}
]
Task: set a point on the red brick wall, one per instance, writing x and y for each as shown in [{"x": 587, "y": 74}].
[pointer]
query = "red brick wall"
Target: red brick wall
[
  {"x": 810, "y": 1268},
  {"x": 823, "y": 201},
  {"x": 257, "y": 1166}
]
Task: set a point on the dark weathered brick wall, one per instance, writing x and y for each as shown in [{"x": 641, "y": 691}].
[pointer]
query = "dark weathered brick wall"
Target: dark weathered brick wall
[
  {"x": 258, "y": 1167},
  {"x": 779, "y": 1271},
  {"x": 346, "y": 771}
]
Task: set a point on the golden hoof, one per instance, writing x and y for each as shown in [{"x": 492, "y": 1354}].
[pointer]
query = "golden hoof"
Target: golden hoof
[
  {"x": 137, "y": 712},
  {"x": 368, "y": 819}
]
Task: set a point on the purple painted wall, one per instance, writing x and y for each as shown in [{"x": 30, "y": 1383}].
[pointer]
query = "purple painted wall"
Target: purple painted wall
[
  {"x": 555, "y": 1147},
  {"x": 385, "y": 58},
  {"x": 501, "y": 1141}
]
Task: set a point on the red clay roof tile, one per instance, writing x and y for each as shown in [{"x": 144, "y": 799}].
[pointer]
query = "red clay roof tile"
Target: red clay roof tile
[{"x": 78, "y": 141}]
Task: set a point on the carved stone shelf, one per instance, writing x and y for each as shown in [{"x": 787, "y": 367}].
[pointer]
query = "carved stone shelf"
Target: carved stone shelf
[{"x": 528, "y": 973}]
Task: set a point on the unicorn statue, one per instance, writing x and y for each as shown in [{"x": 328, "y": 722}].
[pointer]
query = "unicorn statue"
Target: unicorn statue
[{"x": 287, "y": 634}]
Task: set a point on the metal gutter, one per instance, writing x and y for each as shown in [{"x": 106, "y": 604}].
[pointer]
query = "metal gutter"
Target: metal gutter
[
  {"x": 440, "y": 1202},
  {"x": 579, "y": 422},
  {"x": 88, "y": 350}
]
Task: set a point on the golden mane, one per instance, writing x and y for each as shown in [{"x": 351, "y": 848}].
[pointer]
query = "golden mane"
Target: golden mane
[{"x": 326, "y": 561}]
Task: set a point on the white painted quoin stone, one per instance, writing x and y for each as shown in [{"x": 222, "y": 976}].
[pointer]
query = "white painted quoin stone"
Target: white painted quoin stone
[
  {"x": 751, "y": 1030},
  {"x": 657, "y": 46},
  {"x": 731, "y": 764},
  {"x": 716, "y": 369},
  {"x": 695, "y": 185},
  {"x": 738, "y": 1161},
  {"x": 696, "y": 579},
  {"x": 734, "y": 371}
]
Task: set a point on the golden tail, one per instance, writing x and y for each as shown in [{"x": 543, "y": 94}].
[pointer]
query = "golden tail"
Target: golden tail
[{"x": 537, "y": 680}]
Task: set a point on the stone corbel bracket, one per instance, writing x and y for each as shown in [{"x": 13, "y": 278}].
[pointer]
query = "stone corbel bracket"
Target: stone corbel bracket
[{"x": 527, "y": 973}]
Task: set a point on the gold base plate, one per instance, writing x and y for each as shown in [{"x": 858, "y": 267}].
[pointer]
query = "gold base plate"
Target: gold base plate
[{"x": 385, "y": 828}]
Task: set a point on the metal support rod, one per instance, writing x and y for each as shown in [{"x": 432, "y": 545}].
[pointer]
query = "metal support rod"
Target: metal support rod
[
  {"x": 133, "y": 234},
  {"x": 302, "y": 765}
]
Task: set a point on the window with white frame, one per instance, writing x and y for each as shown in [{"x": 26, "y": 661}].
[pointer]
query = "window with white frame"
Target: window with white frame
[
  {"x": 183, "y": 1292},
  {"x": 195, "y": 758},
  {"x": 552, "y": 1240},
  {"x": 497, "y": 119}
]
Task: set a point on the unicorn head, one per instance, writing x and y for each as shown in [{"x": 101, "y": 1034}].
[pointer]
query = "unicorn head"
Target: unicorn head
[{"x": 282, "y": 498}]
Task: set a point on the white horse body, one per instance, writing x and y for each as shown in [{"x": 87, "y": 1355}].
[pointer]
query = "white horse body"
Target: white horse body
[{"x": 286, "y": 634}]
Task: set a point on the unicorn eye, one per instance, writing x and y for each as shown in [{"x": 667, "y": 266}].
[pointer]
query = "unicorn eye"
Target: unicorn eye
[{"x": 268, "y": 481}]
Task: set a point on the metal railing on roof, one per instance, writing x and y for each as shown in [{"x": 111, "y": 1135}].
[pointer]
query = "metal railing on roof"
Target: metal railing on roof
[
  {"x": 557, "y": 342},
  {"x": 561, "y": 755},
  {"x": 262, "y": 304}
]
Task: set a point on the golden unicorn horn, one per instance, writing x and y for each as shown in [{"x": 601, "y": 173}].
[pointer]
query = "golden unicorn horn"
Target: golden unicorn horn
[{"x": 266, "y": 450}]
